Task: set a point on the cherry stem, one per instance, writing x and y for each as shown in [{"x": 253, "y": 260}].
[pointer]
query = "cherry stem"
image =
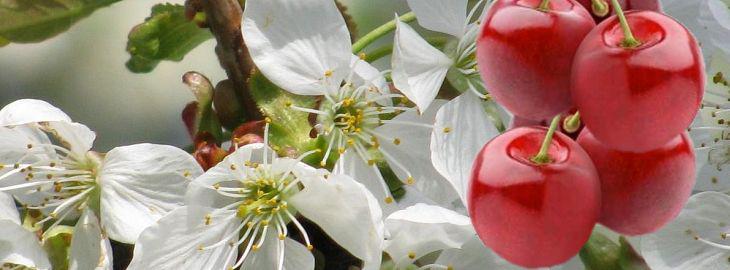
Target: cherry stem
[
  {"x": 572, "y": 123},
  {"x": 629, "y": 40},
  {"x": 544, "y": 5},
  {"x": 599, "y": 8},
  {"x": 542, "y": 157}
]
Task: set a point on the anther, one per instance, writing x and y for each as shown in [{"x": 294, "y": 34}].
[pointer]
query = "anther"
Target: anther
[
  {"x": 267, "y": 120},
  {"x": 328, "y": 73},
  {"x": 388, "y": 200},
  {"x": 410, "y": 180},
  {"x": 362, "y": 56},
  {"x": 255, "y": 247},
  {"x": 233, "y": 167},
  {"x": 396, "y": 141},
  {"x": 310, "y": 247},
  {"x": 282, "y": 236},
  {"x": 29, "y": 146},
  {"x": 411, "y": 255},
  {"x": 207, "y": 219},
  {"x": 371, "y": 162},
  {"x": 447, "y": 129}
]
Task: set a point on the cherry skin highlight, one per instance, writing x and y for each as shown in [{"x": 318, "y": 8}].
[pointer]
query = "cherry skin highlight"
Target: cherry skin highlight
[
  {"x": 533, "y": 215},
  {"x": 525, "y": 55},
  {"x": 642, "y": 192},
  {"x": 637, "y": 99},
  {"x": 626, "y": 5}
]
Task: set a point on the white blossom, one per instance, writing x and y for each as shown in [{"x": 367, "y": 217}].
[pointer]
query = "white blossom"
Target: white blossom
[
  {"x": 305, "y": 48},
  {"x": 47, "y": 164}
]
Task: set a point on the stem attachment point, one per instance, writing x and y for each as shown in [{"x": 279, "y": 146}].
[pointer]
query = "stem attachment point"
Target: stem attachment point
[
  {"x": 544, "y": 6},
  {"x": 542, "y": 157},
  {"x": 629, "y": 40}
]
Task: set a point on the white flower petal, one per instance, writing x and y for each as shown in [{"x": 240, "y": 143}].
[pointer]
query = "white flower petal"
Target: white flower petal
[
  {"x": 199, "y": 195},
  {"x": 366, "y": 74},
  {"x": 140, "y": 184},
  {"x": 296, "y": 255},
  {"x": 347, "y": 215},
  {"x": 688, "y": 13},
  {"x": 86, "y": 244},
  {"x": 474, "y": 255},
  {"x": 295, "y": 43},
  {"x": 25, "y": 111},
  {"x": 715, "y": 19},
  {"x": 75, "y": 136},
  {"x": 453, "y": 153},
  {"x": 173, "y": 242},
  {"x": 445, "y": 16},
  {"x": 419, "y": 69},
  {"x": 696, "y": 239},
  {"x": 414, "y": 155},
  {"x": 20, "y": 246},
  {"x": 351, "y": 164},
  {"x": 8, "y": 210},
  {"x": 421, "y": 229}
]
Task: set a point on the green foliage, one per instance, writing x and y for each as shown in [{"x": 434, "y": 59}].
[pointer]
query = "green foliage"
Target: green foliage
[
  {"x": 30, "y": 21},
  {"x": 289, "y": 128},
  {"x": 57, "y": 243},
  {"x": 165, "y": 35}
]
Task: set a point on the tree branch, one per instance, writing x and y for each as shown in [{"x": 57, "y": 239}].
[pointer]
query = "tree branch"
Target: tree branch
[{"x": 224, "y": 20}]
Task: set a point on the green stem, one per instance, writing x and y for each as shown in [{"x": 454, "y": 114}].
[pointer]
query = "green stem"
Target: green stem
[
  {"x": 544, "y": 5},
  {"x": 599, "y": 8},
  {"x": 629, "y": 40},
  {"x": 542, "y": 157},
  {"x": 386, "y": 50},
  {"x": 380, "y": 31},
  {"x": 572, "y": 123}
]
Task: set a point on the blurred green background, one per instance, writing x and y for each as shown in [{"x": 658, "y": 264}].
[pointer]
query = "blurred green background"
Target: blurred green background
[{"x": 82, "y": 72}]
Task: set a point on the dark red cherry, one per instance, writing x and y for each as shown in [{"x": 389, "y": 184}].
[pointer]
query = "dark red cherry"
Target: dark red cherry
[
  {"x": 642, "y": 192},
  {"x": 533, "y": 215},
  {"x": 638, "y": 98},
  {"x": 525, "y": 54}
]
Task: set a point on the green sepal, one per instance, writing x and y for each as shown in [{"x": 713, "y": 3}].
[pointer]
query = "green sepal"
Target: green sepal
[
  {"x": 31, "y": 21},
  {"x": 289, "y": 128},
  {"x": 165, "y": 35},
  {"x": 600, "y": 253},
  {"x": 57, "y": 244},
  {"x": 630, "y": 259}
]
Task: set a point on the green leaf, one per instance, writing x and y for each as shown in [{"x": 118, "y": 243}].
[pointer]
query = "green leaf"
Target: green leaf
[
  {"x": 165, "y": 35},
  {"x": 57, "y": 243},
  {"x": 30, "y": 21},
  {"x": 289, "y": 127}
]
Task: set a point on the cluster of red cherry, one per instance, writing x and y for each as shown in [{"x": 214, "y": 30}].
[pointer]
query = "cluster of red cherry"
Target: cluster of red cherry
[{"x": 636, "y": 80}]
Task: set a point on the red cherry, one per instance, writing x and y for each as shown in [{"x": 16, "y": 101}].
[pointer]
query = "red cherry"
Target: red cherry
[
  {"x": 642, "y": 191},
  {"x": 637, "y": 99},
  {"x": 526, "y": 54},
  {"x": 533, "y": 215},
  {"x": 652, "y": 5}
]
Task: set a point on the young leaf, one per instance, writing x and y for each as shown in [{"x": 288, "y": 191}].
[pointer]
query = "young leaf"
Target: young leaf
[
  {"x": 289, "y": 128},
  {"x": 165, "y": 35},
  {"x": 30, "y": 21}
]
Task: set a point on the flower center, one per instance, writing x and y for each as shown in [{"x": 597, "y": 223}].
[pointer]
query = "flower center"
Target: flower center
[{"x": 55, "y": 178}]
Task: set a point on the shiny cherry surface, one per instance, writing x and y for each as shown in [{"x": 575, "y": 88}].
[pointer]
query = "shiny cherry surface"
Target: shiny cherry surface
[
  {"x": 637, "y": 99},
  {"x": 626, "y": 5},
  {"x": 533, "y": 215},
  {"x": 526, "y": 55},
  {"x": 641, "y": 192}
]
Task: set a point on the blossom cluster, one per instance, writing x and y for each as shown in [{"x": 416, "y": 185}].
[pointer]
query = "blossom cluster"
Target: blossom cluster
[{"x": 254, "y": 207}]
